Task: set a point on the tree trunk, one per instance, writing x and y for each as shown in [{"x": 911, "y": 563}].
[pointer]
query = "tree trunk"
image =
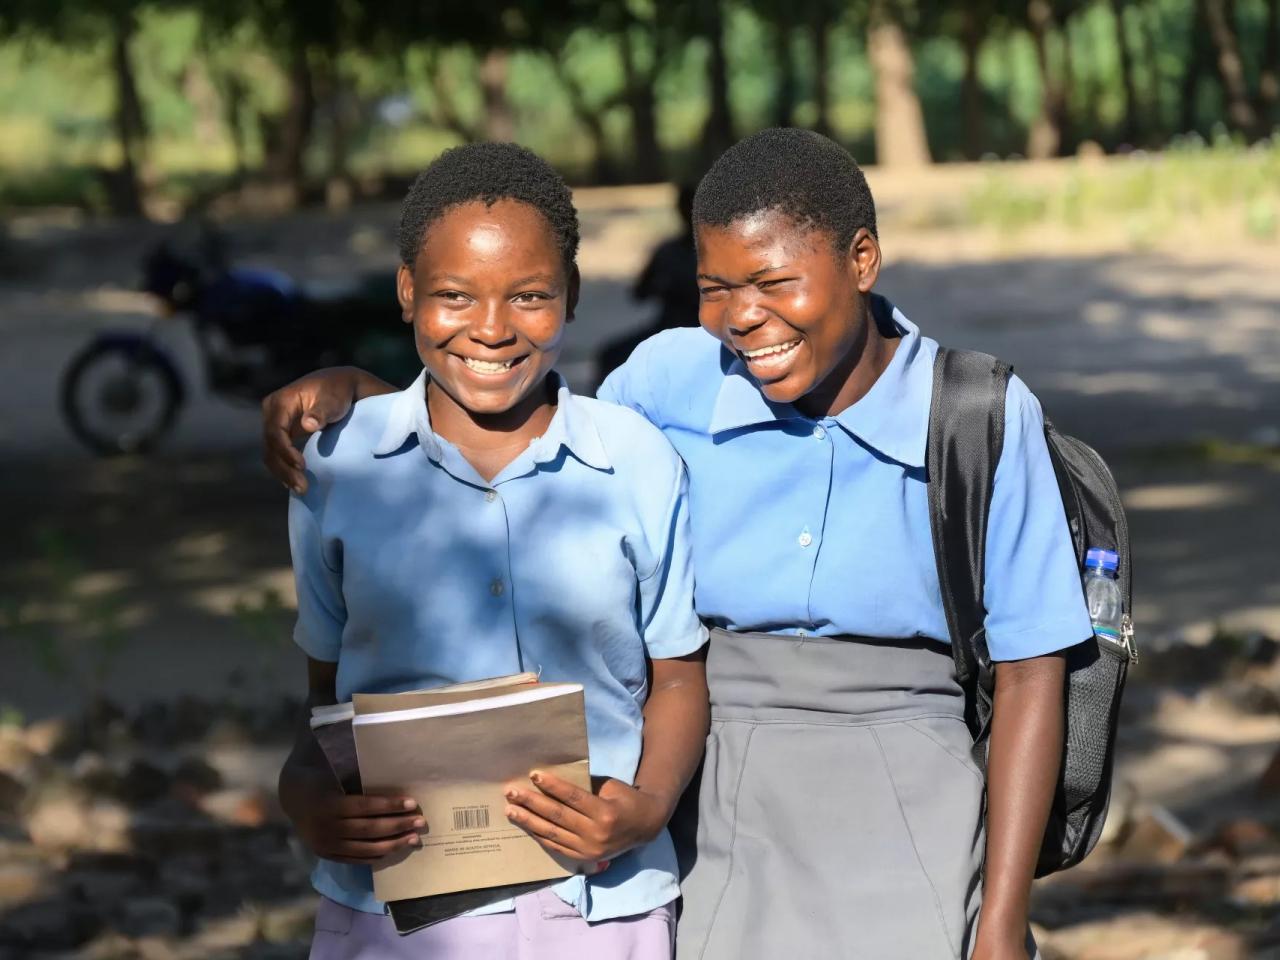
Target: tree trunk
[
  {"x": 1045, "y": 137},
  {"x": 1269, "y": 74},
  {"x": 592, "y": 121},
  {"x": 647, "y": 154},
  {"x": 499, "y": 122},
  {"x": 1226, "y": 46},
  {"x": 289, "y": 153},
  {"x": 1156, "y": 126},
  {"x": 717, "y": 133},
  {"x": 232, "y": 95},
  {"x": 900, "y": 132},
  {"x": 339, "y": 190},
  {"x": 444, "y": 112},
  {"x": 972, "y": 33},
  {"x": 130, "y": 121},
  {"x": 1198, "y": 56},
  {"x": 1131, "y": 130},
  {"x": 784, "y": 95},
  {"x": 818, "y": 29}
]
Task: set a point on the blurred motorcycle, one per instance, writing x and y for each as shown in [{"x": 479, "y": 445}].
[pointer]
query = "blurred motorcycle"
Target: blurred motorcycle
[{"x": 256, "y": 331}]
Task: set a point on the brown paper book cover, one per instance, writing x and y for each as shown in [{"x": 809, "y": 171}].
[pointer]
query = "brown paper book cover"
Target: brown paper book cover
[
  {"x": 457, "y": 759},
  {"x": 453, "y": 693}
]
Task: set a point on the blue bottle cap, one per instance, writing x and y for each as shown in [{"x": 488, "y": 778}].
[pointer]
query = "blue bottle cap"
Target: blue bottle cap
[{"x": 1097, "y": 557}]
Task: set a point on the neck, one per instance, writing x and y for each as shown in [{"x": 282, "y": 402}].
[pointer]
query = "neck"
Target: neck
[
  {"x": 471, "y": 431},
  {"x": 855, "y": 374}
]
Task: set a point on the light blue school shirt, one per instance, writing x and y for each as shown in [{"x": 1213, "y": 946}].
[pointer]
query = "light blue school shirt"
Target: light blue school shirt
[
  {"x": 821, "y": 526},
  {"x": 413, "y": 571}
]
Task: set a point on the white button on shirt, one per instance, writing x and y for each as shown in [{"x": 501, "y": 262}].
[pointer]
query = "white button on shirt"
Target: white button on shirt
[
  {"x": 581, "y": 570},
  {"x": 862, "y": 492}
]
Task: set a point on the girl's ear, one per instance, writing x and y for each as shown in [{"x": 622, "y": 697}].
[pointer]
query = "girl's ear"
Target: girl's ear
[
  {"x": 864, "y": 259},
  {"x": 571, "y": 299},
  {"x": 404, "y": 292}
]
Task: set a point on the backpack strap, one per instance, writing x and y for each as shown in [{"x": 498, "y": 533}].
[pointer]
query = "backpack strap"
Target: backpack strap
[{"x": 966, "y": 436}]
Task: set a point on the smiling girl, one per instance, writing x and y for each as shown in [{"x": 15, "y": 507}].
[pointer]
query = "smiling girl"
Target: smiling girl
[
  {"x": 486, "y": 521},
  {"x": 840, "y": 812}
]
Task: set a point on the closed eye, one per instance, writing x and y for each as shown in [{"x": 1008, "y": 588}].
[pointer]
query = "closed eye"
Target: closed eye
[
  {"x": 711, "y": 291},
  {"x": 770, "y": 284}
]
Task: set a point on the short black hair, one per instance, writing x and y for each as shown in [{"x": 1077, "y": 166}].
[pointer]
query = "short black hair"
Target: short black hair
[
  {"x": 802, "y": 174},
  {"x": 488, "y": 172}
]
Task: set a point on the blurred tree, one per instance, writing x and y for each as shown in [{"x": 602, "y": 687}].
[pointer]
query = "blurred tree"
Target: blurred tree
[
  {"x": 301, "y": 33},
  {"x": 83, "y": 23},
  {"x": 900, "y": 132},
  {"x": 1197, "y": 58},
  {"x": 1047, "y": 134},
  {"x": 647, "y": 42},
  {"x": 717, "y": 132},
  {"x": 1219, "y": 15},
  {"x": 778, "y": 20},
  {"x": 491, "y": 29},
  {"x": 643, "y": 35},
  {"x": 974, "y": 23},
  {"x": 1131, "y": 130},
  {"x": 1269, "y": 73},
  {"x": 821, "y": 17}
]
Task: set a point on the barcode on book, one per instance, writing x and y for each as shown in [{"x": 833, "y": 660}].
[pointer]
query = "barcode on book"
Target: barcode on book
[{"x": 470, "y": 818}]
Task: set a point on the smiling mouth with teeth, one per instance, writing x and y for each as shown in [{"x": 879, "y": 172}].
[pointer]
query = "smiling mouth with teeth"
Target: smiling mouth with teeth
[
  {"x": 490, "y": 366},
  {"x": 777, "y": 350}
]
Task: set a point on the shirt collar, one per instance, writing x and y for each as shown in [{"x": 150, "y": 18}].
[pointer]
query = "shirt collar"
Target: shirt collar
[
  {"x": 893, "y": 417},
  {"x": 572, "y": 427}
]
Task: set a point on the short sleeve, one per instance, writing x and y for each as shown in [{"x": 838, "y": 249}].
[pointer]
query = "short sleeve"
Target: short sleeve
[
  {"x": 669, "y": 624},
  {"x": 1035, "y": 603},
  {"x": 322, "y": 612},
  {"x": 630, "y": 386}
]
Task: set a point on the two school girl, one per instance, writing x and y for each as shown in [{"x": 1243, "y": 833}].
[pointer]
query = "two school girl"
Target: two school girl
[{"x": 839, "y": 813}]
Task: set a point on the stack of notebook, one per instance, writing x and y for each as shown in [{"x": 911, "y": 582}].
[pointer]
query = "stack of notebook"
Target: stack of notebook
[{"x": 455, "y": 750}]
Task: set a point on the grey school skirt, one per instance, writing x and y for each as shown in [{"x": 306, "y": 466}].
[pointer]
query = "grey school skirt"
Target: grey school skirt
[{"x": 839, "y": 814}]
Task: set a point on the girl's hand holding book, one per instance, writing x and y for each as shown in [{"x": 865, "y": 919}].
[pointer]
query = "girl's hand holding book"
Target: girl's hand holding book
[
  {"x": 359, "y": 829},
  {"x": 584, "y": 826}
]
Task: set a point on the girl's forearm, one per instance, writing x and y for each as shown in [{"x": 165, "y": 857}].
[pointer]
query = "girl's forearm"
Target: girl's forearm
[
  {"x": 1023, "y": 763},
  {"x": 365, "y": 384},
  {"x": 677, "y": 717}
]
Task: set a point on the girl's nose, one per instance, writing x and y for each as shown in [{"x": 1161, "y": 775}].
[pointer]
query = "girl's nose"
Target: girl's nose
[
  {"x": 492, "y": 327},
  {"x": 745, "y": 313}
]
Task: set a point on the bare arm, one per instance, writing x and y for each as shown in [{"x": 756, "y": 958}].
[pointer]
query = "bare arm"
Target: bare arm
[
  {"x": 677, "y": 717},
  {"x": 304, "y": 406},
  {"x": 348, "y": 829},
  {"x": 1022, "y": 772}
]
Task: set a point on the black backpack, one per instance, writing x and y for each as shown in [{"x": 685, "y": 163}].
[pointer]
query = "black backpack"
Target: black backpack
[{"x": 966, "y": 434}]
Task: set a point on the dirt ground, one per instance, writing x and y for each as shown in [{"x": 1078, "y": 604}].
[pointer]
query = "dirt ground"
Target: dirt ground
[{"x": 148, "y": 578}]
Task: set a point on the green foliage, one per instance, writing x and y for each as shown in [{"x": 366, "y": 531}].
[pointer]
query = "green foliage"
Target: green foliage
[
  {"x": 1153, "y": 193},
  {"x": 195, "y": 61}
]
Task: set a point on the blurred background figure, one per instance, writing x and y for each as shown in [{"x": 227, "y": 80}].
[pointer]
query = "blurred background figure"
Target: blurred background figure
[
  {"x": 1088, "y": 188},
  {"x": 671, "y": 278}
]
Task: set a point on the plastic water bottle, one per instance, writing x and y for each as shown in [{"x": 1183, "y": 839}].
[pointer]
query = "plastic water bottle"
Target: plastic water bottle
[{"x": 1102, "y": 593}]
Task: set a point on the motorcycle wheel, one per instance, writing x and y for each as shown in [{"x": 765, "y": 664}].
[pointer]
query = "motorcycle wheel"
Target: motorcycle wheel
[{"x": 119, "y": 398}]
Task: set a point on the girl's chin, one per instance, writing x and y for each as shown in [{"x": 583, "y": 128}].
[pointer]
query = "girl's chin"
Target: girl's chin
[{"x": 788, "y": 390}]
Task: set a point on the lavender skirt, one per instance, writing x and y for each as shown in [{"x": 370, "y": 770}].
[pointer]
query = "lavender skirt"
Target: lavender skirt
[{"x": 542, "y": 927}]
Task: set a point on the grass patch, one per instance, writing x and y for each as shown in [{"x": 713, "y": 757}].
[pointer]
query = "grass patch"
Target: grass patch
[
  {"x": 1148, "y": 195},
  {"x": 1214, "y": 451}
]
